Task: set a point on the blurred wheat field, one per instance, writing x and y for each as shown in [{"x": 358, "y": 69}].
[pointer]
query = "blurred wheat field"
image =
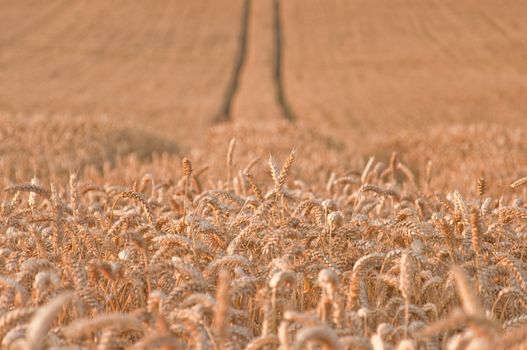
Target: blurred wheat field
[{"x": 263, "y": 175}]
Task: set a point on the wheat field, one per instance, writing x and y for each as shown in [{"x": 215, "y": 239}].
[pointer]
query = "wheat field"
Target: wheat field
[{"x": 206, "y": 177}]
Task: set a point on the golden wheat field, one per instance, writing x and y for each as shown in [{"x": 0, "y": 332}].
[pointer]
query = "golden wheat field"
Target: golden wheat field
[{"x": 263, "y": 174}]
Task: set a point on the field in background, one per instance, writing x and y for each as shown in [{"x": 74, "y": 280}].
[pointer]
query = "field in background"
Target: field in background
[
  {"x": 263, "y": 174},
  {"x": 378, "y": 67},
  {"x": 163, "y": 65},
  {"x": 356, "y": 67}
]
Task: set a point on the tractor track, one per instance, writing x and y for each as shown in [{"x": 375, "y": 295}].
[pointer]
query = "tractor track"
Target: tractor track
[
  {"x": 260, "y": 36},
  {"x": 225, "y": 109},
  {"x": 278, "y": 63}
]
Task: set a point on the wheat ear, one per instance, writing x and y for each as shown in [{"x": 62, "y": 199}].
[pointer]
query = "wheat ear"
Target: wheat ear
[
  {"x": 42, "y": 321},
  {"x": 320, "y": 334}
]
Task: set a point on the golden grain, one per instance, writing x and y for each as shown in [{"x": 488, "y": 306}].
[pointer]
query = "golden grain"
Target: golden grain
[{"x": 360, "y": 259}]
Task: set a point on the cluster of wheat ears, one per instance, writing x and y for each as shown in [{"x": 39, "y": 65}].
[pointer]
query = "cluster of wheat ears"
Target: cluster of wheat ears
[{"x": 372, "y": 261}]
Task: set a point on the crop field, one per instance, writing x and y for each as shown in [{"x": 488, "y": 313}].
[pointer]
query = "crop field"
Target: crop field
[{"x": 263, "y": 174}]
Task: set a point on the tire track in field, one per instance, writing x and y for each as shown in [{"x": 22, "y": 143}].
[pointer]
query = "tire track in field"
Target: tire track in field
[
  {"x": 256, "y": 84},
  {"x": 279, "y": 81},
  {"x": 225, "y": 109}
]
